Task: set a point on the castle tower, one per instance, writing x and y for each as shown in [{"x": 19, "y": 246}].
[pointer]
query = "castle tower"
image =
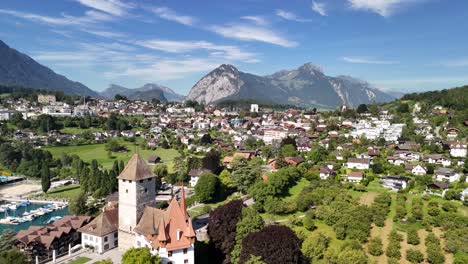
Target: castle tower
[{"x": 137, "y": 188}]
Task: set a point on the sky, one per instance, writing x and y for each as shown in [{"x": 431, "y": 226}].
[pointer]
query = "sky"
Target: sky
[{"x": 396, "y": 45}]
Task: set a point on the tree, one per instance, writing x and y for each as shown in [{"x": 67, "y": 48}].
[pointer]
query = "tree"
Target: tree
[
  {"x": 45, "y": 177},
  {"x": 140, "y": 256},
  {"x": 375, "y": 246},
  {"x": 13, "y": 256},
  {"x": 119, "y": 97},
  {"x": 308, "y": 220},
  {"x": 206, "y": 139},
  {"x": 251, "y": 222},
  {"x": 226, "y": 179},
  {"x": 104, "y": 261},
  {"x": 7, "y": 240},
  {"x": 255, "y": 260},
  {"x": 245, "y": 176},
  {"x": 222, "y": 227},
  {"x": 288, "y": 150},
  {"x": 414, "y": 256},
  {"x": 314, "y": 246},
  {"x": 362, "y": 108},
  {"x": 212, "y": 161},
  {"x": 113, "y": 145},
  {"x": 206, "y": 188},
  {"x": 77, "y": 204},
  {"x": 279, "y": 245}
]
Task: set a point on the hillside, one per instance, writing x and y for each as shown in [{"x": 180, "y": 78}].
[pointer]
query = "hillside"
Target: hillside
[
  {"x": 147, "y": 91},
  {"x": 18, "y": 69}
]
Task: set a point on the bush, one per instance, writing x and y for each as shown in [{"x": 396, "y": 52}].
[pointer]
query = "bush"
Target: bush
[
  {"x": 393, "y": 250},
  {"x": 449, "y": 207},
  {"x": 413, "y": 237},
  {"x": 308, "y": 220},
  {"x": 414, "y": 256},
  {"x": 375, "y": 246}
]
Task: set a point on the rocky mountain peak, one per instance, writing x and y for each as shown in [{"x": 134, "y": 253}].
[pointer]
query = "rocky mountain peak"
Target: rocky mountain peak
[{"x": 312, "y": 69}]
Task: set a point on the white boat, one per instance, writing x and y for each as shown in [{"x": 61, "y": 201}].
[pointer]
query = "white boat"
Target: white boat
[{"x": 13, "y": 206}]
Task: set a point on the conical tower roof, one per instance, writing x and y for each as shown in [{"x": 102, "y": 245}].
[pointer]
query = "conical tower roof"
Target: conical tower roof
[{"x": 136, "y": 169}]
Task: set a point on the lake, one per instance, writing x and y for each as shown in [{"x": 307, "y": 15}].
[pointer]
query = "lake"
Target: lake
[{"x": 39, "y": 221}]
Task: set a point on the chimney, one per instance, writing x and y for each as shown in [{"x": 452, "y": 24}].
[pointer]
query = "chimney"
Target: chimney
[{"x": 178, "y": 234}]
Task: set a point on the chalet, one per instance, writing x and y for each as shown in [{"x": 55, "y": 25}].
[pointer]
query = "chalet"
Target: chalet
[
  {"x": 154, "y": 159},
  {"x": 395, "y": 183},
  {"x": 326, "y": 172},
  {"x": 195, "y": 174},
  {"x": 244, "y": 154},
  {"x": 437, "y": 159},
  {"x": 291, "y": 161},
  {"x": 373, "y": 152},
  {"x": 464, "y": 195},
  {"x": 355, "y": 176},
  {"x": 452, "y": 132},
  {"x": 47, "y": 242},
  {"x": 416, "y": 169},
  {"x": 101, "y": 233},
  {"x": 446, "y": 174},
  {"x": 358, "y": 163},
  {"x": 438, "y": 188},
  {"x": 458, "y": 150}
]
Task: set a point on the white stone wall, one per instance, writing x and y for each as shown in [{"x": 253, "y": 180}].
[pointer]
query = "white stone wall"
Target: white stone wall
[{"x": 176, "y": 256}]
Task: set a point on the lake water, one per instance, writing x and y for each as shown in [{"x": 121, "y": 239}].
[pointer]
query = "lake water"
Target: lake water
[{"x": 39, "y": 221}]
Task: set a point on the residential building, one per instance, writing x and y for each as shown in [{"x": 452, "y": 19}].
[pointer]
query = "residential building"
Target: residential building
[
  {"x": 446, "y": 174},
  {"x": 101, "y": 233},
  {"x": 355, "y": 176},
  {"x": 395, "y": 183},
  {"x": 358, "y": 163}
]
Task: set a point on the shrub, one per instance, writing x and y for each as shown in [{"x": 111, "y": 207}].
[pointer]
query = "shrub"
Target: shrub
[
  {"x": 375, "y": 246},
  {"x": 413, "y": 237},
  {"x": 414, "y": 256}
]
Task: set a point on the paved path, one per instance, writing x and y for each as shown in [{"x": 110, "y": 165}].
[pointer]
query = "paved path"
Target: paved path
[{"x": 114, "y": 254}]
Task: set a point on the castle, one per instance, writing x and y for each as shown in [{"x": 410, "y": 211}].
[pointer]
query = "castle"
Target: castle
[{"x": 168, "y": 233}]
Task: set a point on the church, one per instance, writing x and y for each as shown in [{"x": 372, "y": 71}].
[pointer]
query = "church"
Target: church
[{"x": 168, "y": 233}]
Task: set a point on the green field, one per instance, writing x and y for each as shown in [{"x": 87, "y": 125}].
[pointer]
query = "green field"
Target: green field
[
  {"x": 77, "y": 130},
  {"x": 80, "y": 260},
  {"x": 97, "y": 151},
  {"x": 65, "y": 192}
]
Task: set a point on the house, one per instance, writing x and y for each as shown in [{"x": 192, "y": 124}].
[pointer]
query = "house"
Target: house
[
  {"x": 244, "y": 154},
  {"x": 154, "y": 159},
  {"x": 355, "y": 176},
  {"x": 195, "y": 175},
  {"x": 452, "y": 132},
  {"x": 326, "y": 172},
  {"x": 395, "y": 183},
  {"x": 458, "y": 150},
  {"x": 101, "y": 233},
  {"x": 446, "y": 174},
  {"x": 464, "y": 195},
  {"x": 438, "y": 188},
  {"x": 291, "y": 161},
  {"x": 358, "y": 163},
  {"x": 437, "y": 159},
  {"x": 416, "y": 169},
  {"x": 167, "y": 233},
  {"x": 46, "y": 242}
]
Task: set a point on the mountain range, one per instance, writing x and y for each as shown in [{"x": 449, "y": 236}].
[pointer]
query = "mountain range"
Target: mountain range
[
  {"x": 305, "y": 86},
  {"x": 149, "y": 90},
  {"x": 18, "y": 69}
]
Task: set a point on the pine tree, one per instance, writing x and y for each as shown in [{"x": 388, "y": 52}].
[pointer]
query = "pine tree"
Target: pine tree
[{"x": 45, "y": 177}]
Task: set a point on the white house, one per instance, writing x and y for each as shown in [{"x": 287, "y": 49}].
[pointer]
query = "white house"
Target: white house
[
  {"x": 195, "y": 175},
  {"x": 358, "y": 163},
  {"x": 355, "y": 176},
  {"x": 395, "y": 183},
  {"x": 464, "y": 194},
  {"x": 458, "y": 150},
  {"x": 446, "y": 174},
  {"x": 101, "y": 233}
]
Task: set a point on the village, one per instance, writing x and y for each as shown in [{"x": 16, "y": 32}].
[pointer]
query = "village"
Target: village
[{"x": 368, "y": 151}]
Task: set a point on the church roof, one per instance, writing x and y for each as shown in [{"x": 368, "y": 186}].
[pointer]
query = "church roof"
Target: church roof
[{"x": 136, "y": 169}]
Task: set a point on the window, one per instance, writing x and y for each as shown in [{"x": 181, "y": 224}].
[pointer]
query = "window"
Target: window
[
  {"x": 105, "y": 239},
  {"x": 169, "y": 253},
  {"x": 146, "y": 190},
  {"x": 116, "y": 234},
  {"x": 185, "y": 251},
  {"x": 85, "y": 237},
  {"x": 126, "y": 190},
  {"x": 141, "y": 181},
  {"x": 185, "y": 260},
  {"x": 106, "y": 246},
  {"x": 138, "y": 244},
  {"x": 149, "y": 179},
  {"x": 115, "y": 243}
]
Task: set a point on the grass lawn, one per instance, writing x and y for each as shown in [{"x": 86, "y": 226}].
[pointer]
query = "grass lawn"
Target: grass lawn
[
  {"x": 80, "y": 260},
  {"x": 77, "y": 130},
  {"x": 65, "y": 192},
  {"x": 98, "y": 152},
  {"x": 296, "y": 189}
]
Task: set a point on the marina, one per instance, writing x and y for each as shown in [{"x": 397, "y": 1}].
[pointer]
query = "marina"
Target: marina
[{"x": 22, "y": 214}]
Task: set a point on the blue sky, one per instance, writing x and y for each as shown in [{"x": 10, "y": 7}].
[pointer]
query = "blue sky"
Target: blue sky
[{"x": 398, "y": 45}]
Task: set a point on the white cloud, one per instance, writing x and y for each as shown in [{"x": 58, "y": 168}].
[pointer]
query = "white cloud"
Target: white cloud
[
  {"x": 221, "y": 51},
  {"x": 368, "y": 61},
  {"x": 384, "y": 8},
  {"x": 319, "y": 8},
  {"x": 105, "y": 34},
  {"x": 171, "y": 15},
  {"x": 113, "y": 7},
  {"x": 290, "y": 16},
  {"x": 456, "y": 63},
  {"x": 90, "y": 17},
  {"x": 256, "y": 19},
  {"x": 252, "y": 33}
]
